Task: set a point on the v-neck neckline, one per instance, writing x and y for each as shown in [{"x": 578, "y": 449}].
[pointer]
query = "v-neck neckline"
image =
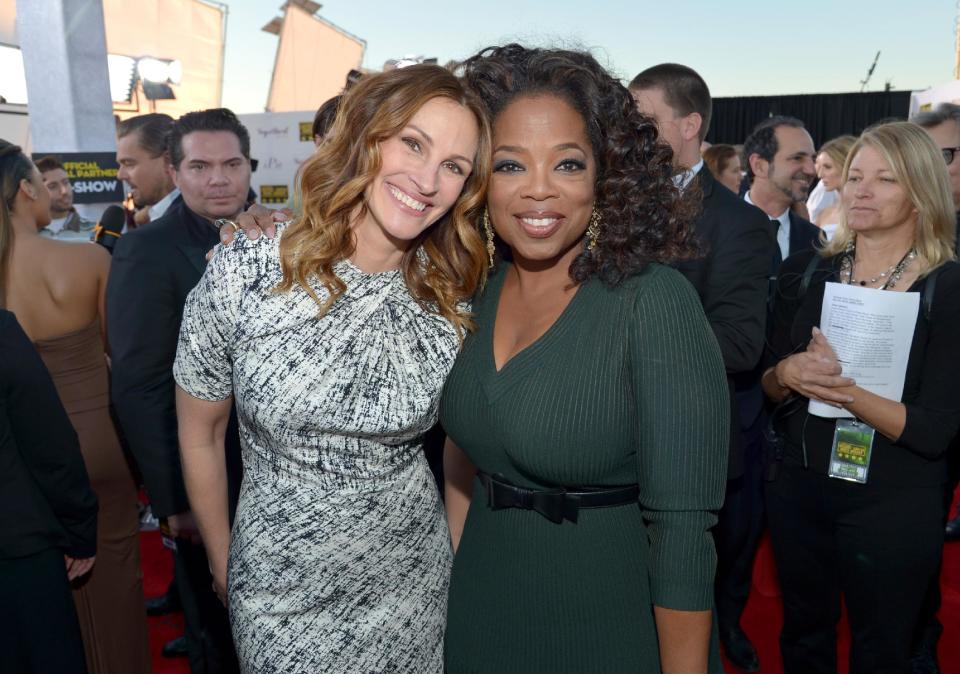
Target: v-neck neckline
[{"x": 553, "y": 331}]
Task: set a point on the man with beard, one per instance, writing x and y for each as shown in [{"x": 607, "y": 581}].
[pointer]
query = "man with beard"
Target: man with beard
[
  {"x": 145, "y": 164},
  {"x": 65, "y": 222},
  {"x": 780, "y": 170},
  {"x": 154, "y": 269}
]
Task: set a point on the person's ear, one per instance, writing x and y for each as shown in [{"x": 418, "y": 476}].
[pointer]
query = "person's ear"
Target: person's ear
[
  {"x": 690, "y": 126},
  {"x": 28, "y": 189},
  {"x": 758, "y": 165}
]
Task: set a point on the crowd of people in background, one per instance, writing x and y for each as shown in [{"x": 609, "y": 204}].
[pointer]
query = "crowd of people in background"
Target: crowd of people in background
[{"x": 615, "y": 323}]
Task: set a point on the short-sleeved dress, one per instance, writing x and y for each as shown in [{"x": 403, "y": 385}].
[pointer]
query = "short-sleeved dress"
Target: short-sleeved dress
[
  {"x": 626, "y": 387},
  {"x": 340, "y": 554}
]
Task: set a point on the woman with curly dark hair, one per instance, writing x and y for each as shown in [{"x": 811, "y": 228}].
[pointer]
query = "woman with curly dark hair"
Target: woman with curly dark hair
[{"x": 592, "y": 383}]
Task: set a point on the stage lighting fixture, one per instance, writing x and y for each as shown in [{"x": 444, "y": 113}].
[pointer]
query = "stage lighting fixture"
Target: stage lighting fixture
[{"x": 122, "y": 77}]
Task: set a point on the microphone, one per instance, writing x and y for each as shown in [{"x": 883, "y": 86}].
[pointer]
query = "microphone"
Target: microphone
[{"x": 110, "y": 227}]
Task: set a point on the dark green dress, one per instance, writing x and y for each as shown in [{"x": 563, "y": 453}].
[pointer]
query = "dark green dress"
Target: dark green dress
[{"x": 626, "y": 387}]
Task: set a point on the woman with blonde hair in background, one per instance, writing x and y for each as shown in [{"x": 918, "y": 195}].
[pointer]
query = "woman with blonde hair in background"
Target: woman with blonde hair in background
[
  {"x": 877, "y": 539},
  {"x": 336, "y": 338},
  {"x": 830, "y": 161},
  {"x": 56, "y": 290}
]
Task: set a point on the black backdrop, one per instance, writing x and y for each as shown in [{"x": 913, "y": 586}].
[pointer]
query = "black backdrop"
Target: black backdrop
[{"x": 826, "y": 116}]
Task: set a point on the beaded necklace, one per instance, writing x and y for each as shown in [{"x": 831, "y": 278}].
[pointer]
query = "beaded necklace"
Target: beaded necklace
[{"x": 892, "y": 275}]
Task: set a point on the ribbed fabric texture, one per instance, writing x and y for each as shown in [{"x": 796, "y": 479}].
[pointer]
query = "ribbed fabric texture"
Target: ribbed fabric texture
[{"x": 627, "y": 387}]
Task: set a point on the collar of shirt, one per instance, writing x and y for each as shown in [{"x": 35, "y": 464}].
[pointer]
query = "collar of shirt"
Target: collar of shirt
[
  {"x": 783, "y": 231},
  {"x": 683, "y": 179},
  {"x": 159, "y": 208}
]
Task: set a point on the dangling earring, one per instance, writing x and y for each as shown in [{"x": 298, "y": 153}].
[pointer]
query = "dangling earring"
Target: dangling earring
[
  {"x": 488, "y": 230},
  {"x": 593, "y": 230}
]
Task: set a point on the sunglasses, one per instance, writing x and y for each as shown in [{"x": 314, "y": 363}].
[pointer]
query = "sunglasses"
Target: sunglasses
[{"x": 949, "y": 153}]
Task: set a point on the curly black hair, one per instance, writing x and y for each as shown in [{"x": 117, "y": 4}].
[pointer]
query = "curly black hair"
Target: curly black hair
[{"x": 645, "y": 217}]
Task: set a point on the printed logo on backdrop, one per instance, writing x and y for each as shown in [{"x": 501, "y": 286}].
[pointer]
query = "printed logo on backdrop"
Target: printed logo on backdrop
[
  {"x": 93, "y": 175},
  {"x": 274, "y": 194},
  {"x": 306, "y": 132}
]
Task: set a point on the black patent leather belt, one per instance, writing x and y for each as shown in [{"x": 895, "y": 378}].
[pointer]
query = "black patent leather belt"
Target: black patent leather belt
[{"x": 554, "y": 504}]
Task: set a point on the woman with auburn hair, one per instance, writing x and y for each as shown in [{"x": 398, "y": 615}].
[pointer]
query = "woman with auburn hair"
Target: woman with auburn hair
[
  {"x": 876, "y": 535},
  {"x": 830, "y": 162},
  {"x": 335, "y": 338},
  {"x": 724, "y": 163}
]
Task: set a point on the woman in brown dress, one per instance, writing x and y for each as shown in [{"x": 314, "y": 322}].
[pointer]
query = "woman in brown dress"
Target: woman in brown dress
[{"x": 56, "y": 290}]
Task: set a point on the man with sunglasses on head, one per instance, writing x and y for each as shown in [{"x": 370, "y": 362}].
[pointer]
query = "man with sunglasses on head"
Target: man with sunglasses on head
[{"x": 942, "y": 124}]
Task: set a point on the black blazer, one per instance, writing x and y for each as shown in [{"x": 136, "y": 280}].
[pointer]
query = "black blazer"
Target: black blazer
[
  {"x": 804, "y": 235},
  {"x": 45, "y": 495},
  {"x": 154, "y": 268},
  {"x": 731, "y": 279}
]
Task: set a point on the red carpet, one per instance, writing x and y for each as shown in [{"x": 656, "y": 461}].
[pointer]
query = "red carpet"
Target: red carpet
[{"x": 761, "y": 621}]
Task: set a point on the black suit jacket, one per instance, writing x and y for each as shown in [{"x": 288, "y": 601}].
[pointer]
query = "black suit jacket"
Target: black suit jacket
[
  {"x": 804, "y": 235},
  {"x": 731, "y": 279},
  {"x": 45, "y": 495},
  {"x": 153, "y": 270}
]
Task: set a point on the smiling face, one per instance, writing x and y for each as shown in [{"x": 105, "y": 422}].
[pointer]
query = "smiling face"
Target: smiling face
[
  {"x": 872, "y": 197},
  {"x": 423, "y": 170},
  {"x": 828, "y": 172},
  {"x": 792, "y": 170},
  {"x": 542, "y": 188}
]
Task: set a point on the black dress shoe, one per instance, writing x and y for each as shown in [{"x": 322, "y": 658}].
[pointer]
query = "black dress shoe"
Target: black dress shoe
[
  {"x": 175, "y": 648},
  {"x": 162, "y": 605},
  {"x": 740, "y": 652},
  {"x": 953, "y": 529}
]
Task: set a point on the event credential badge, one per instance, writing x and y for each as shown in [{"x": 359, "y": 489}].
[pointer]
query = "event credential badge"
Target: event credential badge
[{"x": 852, "y": 449}]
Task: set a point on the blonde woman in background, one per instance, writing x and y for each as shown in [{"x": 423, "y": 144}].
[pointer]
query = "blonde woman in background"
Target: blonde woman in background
[
  {"x": 830, "y": 161},
  {"x": 878, "y": 543}
]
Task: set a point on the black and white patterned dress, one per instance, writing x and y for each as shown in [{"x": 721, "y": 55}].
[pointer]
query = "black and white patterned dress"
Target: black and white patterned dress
[{"x": 340, "y": 555}]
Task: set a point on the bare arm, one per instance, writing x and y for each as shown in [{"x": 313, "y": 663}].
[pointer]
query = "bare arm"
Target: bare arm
[
  {"x": 202, "y": 428},
  {"x": 458, "y": 475},
  {"x": 684, "y": 638}
]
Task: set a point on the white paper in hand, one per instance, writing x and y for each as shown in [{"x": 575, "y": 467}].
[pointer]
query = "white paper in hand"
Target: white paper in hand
[{"x": 871, "y": 332}]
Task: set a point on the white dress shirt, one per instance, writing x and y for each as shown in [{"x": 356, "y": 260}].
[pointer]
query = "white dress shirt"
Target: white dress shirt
[
  {"x": 159, "y": 208},
  {"x": 683, "y": 179},
  {"x": 783, "y": 231}
]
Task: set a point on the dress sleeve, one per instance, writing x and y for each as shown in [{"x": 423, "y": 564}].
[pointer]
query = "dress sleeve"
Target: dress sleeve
[
  {"x": 933, "y": 417},
  {"x": 683, "y": 429},
  {"x": 204, "y": 364}
]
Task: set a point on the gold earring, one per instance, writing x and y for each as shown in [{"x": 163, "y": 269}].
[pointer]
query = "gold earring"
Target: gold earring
[
  {"x": 488, "y": 230},
  {"x": 593, "y": 230}
]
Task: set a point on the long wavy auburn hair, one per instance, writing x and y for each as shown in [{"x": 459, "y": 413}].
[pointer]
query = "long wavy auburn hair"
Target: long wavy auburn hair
[{"x": 446, "y": 263}]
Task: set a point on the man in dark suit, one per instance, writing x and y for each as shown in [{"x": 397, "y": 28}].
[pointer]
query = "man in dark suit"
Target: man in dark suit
[
  {"x": 942, "y": 124},
  {"x": 153, "y": 270},
  {"x": 731, "y": 278}
]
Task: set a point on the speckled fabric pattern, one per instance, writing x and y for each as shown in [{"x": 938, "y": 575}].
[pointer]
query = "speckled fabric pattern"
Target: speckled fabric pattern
[{"x": 340, "y": 554}]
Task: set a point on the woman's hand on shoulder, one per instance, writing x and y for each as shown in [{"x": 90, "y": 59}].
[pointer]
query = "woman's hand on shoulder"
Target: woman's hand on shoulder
[
  {"x": 255, "y": 220},
  {"x": 816, "y": 373}
]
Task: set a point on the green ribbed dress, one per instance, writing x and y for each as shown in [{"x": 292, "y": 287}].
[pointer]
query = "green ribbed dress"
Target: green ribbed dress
[{"x": 626, "y": 387}]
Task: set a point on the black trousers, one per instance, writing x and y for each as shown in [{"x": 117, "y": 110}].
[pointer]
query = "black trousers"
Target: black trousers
[
  {"x": 739, "y": 527},
  {"x": 878, "y": 546},
  {"x": 206, "y": 625},
  {"x": 39, "y": 632},
  {"x": 929, "y": 628}
]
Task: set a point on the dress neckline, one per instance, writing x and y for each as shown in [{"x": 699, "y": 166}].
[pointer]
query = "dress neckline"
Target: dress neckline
[{"x": 528, "y": 353}]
